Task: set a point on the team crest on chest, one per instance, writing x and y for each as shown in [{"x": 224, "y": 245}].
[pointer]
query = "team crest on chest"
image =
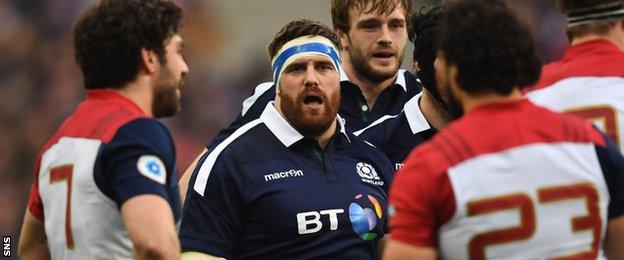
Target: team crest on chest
[{"x": 368, "y": 174}]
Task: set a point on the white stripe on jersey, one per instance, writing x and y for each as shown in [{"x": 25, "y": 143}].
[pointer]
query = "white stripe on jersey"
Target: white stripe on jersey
[
  {"x": 525, "y": 170},
  {"x": 587, "y": 94}
]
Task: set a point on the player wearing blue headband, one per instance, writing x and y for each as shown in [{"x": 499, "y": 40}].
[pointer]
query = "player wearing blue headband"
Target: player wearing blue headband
[{"x": 294, "y": 183}]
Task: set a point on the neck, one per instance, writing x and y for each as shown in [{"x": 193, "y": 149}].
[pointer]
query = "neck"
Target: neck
[
  {"x": 370, "y": 89},
  {"x": 469, "y": 102},
  {"x": 140, "y": 93},
  {"x": 611, "y": 37},
  {"x": 323, "y": 139},
  {"x": 437, "y": 116}
]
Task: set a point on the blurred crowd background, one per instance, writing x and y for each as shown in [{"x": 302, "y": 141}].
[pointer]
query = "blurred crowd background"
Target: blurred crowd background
[{"x": 40, "y": 83}]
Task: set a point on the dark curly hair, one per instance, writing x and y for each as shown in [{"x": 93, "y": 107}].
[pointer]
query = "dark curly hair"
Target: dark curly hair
[
  {"x": 109, "y": 36},
  {"x": 493, "y": 51},
  {"x": 299, "y": 28}
]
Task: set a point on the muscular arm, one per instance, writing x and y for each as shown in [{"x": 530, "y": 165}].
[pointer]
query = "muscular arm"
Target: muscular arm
[
  {"x": 399, "y": 250},
  {"x": 614, "y": 241},
  {"x": 149, "y": 221},
  {"x": 33, "y": 241},
  {"x": 186, "y": 178}
]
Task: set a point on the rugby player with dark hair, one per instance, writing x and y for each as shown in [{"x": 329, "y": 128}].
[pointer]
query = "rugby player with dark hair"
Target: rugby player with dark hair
[
  {"x": 294, "y": 183},
  {"x": 507, "y": 179},
  {"x": 588, "y": 81},
  {"x": 106, "y": 183}
]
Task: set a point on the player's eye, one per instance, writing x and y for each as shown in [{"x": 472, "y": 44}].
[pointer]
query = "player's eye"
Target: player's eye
[
  {"x": 295, "y": 68},
  {"x": 324, "y": 67},
  {"x": 397, "y": 24},
  {"x": 370, "y": 25}
]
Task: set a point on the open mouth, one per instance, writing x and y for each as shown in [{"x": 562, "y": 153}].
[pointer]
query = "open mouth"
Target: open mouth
[
  {"x": 383, "y": 54},
  {"x": 313, "y": 100}
]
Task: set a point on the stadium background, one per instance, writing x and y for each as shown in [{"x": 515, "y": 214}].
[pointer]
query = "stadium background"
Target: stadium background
[{"x": 226, "y": 52}]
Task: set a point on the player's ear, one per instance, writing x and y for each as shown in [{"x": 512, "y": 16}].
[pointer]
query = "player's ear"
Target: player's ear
[
  {"x": 149, "y": 60},
  {"x": 344, "y": 38},
  {"x": 415, "y": 66}
]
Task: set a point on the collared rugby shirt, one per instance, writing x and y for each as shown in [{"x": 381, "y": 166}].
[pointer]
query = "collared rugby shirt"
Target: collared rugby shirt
[
  {"x": 353, "y": 105},
  {"x": 397, "y": 135},
  {"x": 267, "y": 192}
]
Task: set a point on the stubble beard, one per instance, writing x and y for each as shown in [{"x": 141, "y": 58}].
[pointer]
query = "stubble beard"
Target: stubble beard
[
  {"x": 166, "y": 98},
  {"x": 360, "y": 63}
]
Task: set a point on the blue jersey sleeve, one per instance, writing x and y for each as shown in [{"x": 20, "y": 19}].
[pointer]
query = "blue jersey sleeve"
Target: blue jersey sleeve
[
  {"x": 140, "y": 159},
  {"x": 612, "y": 164},
  {"x": 213, "y": 222},
  {"x": 252, "y": 109}
]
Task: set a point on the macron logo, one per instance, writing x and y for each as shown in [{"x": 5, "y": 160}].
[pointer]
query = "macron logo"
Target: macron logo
[{"x": 281, "y": 175}]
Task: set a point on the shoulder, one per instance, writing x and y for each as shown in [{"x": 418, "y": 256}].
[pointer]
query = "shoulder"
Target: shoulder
[
  {"x": 368, "y": 149},
  {"x": 412, "y": 83},
  {"x": 146, "y": 130},
  {"x": 263, "y": 93}
]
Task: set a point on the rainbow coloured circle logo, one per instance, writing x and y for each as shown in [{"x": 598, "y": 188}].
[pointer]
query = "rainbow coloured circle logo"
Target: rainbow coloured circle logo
[{"x": 364, "y": 219}]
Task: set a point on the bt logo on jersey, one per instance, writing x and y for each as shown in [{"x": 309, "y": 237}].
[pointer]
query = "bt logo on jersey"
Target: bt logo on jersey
[
  {"x": 310, "y": 222},
  {"x": 363, "y": 219},
  {"x": 365, "y": 214}
]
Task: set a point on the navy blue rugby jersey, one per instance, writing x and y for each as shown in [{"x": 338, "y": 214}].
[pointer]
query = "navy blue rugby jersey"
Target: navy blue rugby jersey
[
  {"x": 397, "y": 135},
  {"x": 353, "y": 107},
  {"x": 267, "y": 192}
]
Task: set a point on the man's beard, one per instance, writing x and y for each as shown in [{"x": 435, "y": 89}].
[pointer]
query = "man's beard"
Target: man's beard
[
  {"x": 454, "y": 106},
  {"x": 166, "y": 100},
  {"x": 307, "y": 123},
  {"x": 360, "y": 63}
]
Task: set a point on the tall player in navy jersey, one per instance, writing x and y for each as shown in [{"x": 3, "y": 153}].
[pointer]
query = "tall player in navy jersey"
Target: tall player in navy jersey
[
  {"x": 292, "y": 184},
  {"x": 425, "y": 113},
  {"x": 508, "y": 179},
  {"x": 589, "y": 80},
  {"x": 106, "y": 183}
]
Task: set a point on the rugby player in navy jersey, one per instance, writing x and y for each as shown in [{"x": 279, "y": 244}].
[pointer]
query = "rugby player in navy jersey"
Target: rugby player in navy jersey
[
  {"x": 507, "y": 179},
  {"x": 294, "y": 183},
  {"x": 372, "y": 35},
  {"x": 106, "y": 183},
  {"x": 425, "y": 113}
]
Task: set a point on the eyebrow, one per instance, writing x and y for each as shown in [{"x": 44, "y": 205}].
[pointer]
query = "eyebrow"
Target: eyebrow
[
  {"x": 369, "y": 20},
  {"x": 324, "y": 62}
]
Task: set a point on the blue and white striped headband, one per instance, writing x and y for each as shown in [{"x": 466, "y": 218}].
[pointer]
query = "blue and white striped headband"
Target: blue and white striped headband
[{"x": 300, "y": 47}]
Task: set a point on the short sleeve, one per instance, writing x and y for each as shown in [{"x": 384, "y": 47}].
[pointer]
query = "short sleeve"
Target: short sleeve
[
  {"x": 252, "y": 109},
  {"x": 612, "y": 164},
  {"x": 140, "y": 159},
  {"x": 421, "y": 200},
  {"x": 213, "y": 222}
]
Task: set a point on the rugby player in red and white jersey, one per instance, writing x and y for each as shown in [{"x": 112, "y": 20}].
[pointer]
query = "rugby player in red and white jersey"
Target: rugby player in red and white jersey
[
  {"x": 507, "y": 179},
  {"x": 589, "y": 80},
  {"x": 105, "y": 184}
]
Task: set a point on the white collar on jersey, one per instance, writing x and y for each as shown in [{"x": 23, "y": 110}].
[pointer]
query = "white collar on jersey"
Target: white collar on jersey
[
  {"x": 414, "y": 115},
  {"x": 400, "y": 80},
  {"x": 287, "y": 134}
]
